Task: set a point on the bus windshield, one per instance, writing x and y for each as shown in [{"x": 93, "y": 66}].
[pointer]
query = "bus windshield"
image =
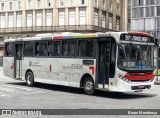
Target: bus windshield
[{"x": 135, "y": 57}]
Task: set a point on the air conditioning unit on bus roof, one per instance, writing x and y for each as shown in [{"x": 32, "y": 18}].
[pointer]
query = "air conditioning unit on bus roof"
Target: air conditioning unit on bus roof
[{"x": 43, "y": 35}]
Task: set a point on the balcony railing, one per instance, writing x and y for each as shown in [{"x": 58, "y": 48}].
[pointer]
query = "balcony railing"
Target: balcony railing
[{"x": 77, "y": 28}]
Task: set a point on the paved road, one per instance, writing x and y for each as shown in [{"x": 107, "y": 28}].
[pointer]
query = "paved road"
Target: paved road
[{"x": 16, "y": 95}]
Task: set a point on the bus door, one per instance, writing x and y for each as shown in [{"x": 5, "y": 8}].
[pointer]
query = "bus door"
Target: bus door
[
  {"x": 18, "y": 61},
  {"x": 103, "y": 63}
]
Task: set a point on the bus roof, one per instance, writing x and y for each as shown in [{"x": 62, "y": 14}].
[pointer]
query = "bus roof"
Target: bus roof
[{"x": 71, "y": 35}]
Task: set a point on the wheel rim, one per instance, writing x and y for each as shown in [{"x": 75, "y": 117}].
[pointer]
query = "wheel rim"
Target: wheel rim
[
  {"x": 89, "y": 85},
  {"x": 29, "y": 79}
]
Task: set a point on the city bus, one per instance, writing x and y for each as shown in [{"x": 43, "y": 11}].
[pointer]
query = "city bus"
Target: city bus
[{"x": 111, "y": 61}]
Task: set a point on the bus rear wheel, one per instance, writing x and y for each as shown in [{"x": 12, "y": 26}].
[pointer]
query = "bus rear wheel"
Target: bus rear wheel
[
  {"x": 88, "y": 86},
  {"x": 30, "y": 79}
]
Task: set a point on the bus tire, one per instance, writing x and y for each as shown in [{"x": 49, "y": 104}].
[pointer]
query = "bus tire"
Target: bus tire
[
  {"x": 30, "y": 79},
  {"x": 88, "y": 86}
]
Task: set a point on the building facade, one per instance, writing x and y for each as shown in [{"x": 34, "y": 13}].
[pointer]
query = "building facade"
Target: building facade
[
  {"x": 25, "y": 18},
  {"x": 146, "y": 16}
]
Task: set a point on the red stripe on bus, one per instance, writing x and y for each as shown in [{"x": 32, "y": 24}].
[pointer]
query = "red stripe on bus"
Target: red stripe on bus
[
  {"x": 139, "y": 76},
  {"x": 57, "y": 37},
  {"x": 139, "y": 33},
  {"x": 92, "y": 69},
  {"x": 50, "y": 68}
]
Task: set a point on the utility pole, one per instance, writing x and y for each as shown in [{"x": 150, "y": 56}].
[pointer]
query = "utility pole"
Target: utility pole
[{"x": 157, "y": 47}]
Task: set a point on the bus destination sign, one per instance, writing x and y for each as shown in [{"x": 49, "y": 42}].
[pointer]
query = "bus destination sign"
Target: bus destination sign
[{"x": 128, "y": 37}]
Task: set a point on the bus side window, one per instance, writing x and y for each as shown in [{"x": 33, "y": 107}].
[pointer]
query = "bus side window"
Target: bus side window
[
  {"x": 28, "y": 49},
  {"x": 37, "y": 49},
  {"x": 81, "y": 48},
  {"x": 9, "y": 49},
  {"x": 89, "y": 48},
  {"x": 68, "y": 48},
  {"x": 85, "y": 48},
  {"x": 42, "y": 49},
  {"x": 54, "y": 48}
]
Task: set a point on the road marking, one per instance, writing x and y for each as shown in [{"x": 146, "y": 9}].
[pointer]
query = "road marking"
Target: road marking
[{"x": 16, "y": 87}]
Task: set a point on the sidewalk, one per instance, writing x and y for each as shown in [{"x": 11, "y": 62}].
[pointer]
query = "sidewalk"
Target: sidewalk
[{"x": 155, "y": 80}]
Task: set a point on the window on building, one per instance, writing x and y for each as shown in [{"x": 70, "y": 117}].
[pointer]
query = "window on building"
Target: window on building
[
  {"x": 61, "y": 17},
  {"x": 10, "y": 20},
  {"x": 10, "y": 6},
  {"x": 2, "y": 6},
  {"x": 82, "y": 16},
  {"x": 19, "y": 19},
  {"x": 29, "y": 19},
  {"x": 72, "y": 17},
  {"x": 54, "y": 48},
  {"x": 104, "y": 4},
  {"x": 19, "y": 4},
  {"x": 49, "y": 18},
  {"x": 82, "y": 2},
  {"x": 110, "y": 21},
  {"x": 141, "y": 2},
  {"x": 141, "y": 12},
  {"x": 68, "y": 48},
  {"x": 38, "y": 19},
  {"x": 61, "y": 3},
  {"x": 71, "y": 2},
  {"x": 104, "y": 19},
  {"x": 48, "y": 3},
  {"x": 158, "y": 26},
  {"x": 85, "y": 48},
  {"x": 117, "y": 24},
  {"x": 96, "y": 18},
  {"x": 158, "y": 10},
  {"x": 110, "y": 6},
  {"x": 96, "y": 3},
  {"x": 28, "y": 49},
  {"x": 29, "y": 4},
  {"x": 150, "y": 11},
  {"x": 2, "y": 20},
  {"x": 148, "y": 2},
  {"x": 38, "y": 3}
]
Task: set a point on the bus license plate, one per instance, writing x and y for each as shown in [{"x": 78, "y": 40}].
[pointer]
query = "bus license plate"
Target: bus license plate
[{"x": 141, "y": 87}]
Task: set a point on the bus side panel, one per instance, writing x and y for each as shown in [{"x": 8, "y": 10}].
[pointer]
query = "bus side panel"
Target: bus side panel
[{"x": 8, "y": 66}]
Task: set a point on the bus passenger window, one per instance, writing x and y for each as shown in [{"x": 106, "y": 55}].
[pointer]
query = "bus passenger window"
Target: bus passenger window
[
  {"x": 85, "y": 48},
  {"x": 28, "y": 49},
  {"x": 37, "y": 49},
  {"x": 68, "y": 48},
  {"x": 89, "y": 49},
  {"x": 81, "y": 48},
  {"x": 9, "y": 49},
  {"x": 54, "y": 48},
  {"x": 42, "y": 49}
]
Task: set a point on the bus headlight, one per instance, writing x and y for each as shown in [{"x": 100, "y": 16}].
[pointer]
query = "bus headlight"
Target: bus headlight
[{"x": 124, "y": 79}]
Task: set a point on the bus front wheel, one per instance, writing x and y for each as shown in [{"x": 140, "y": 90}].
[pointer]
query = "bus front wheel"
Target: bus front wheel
[
  {"x": 88, "y": 86},
  {"x": 30, "y": 79}
]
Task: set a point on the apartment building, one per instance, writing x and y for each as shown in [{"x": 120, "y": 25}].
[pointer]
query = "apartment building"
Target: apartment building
[{"x": 25, "y": 18}]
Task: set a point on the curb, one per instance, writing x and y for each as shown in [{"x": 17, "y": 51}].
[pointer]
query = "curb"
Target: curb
[{"x": 157, "y": 83}]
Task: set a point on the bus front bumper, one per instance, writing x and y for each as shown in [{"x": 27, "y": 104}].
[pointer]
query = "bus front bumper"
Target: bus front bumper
[{"x": 123, "y": 86}]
